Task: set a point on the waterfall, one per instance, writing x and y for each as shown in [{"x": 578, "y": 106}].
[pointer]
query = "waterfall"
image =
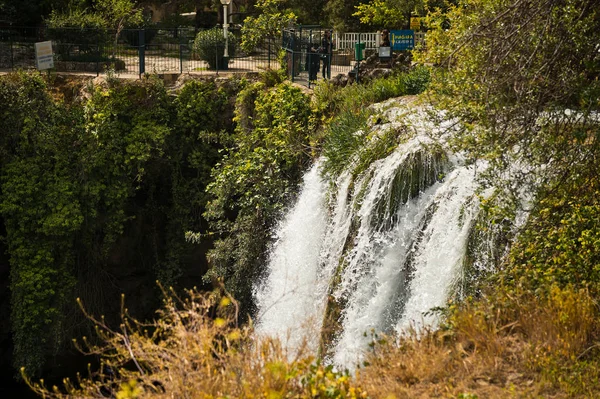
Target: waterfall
[
  {"x": 370, "y": 253},
  {"x": 290, "y": 299}
]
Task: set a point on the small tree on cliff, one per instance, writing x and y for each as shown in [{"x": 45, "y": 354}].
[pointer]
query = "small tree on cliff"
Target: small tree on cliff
[
  {"x": 118, "y": 14},
  {"x": 105, "y": 14},
  {"x": 267, "y": 27},
  {"x": 514, "y": 67}
]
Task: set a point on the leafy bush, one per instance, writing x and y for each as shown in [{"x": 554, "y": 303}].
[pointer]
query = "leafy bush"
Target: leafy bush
[
  {"x": 560, "y": 243},
  {"x": 265, "y": 29},
  {"x": 77, "y": 18},
  {"x": 343, "y": 137},
  {"x": 417, "y": 80},
  {"x": 210, "y": 46}
]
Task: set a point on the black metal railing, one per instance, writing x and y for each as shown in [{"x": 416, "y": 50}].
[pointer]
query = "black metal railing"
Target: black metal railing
[
  {"x": 132, "y": 51},
  {"x": 307, "y": 59}
]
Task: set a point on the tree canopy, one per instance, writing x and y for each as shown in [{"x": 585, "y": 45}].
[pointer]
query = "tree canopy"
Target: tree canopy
[
  {"x": 273, "y": 17},
  {"x": 525, "y": 70},
  {"x": 109, "y": 14},
  {"x": 522, "y": 77}
]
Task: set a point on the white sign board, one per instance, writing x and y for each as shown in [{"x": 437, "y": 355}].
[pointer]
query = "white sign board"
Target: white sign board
[
  {"x": 44, "y": 58},
  {"x": 385, "y": 52}
]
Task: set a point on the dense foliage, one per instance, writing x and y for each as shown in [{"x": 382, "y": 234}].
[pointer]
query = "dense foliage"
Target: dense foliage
[
  {"x": 40, "y": 213},
  {"x": 396, "y": 14},
  {"x": 106, "y": 14},
  {"x": 86, "y": 188},
  {"x": 522, "y": 78},
  {"x": 514, "y": 68},
  {"x": 560, "y": 244},
  {"x": 264, "y": 30},
  {"x": 255, "y": 180}
]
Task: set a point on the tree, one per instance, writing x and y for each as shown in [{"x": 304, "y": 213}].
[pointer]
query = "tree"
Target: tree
[
  {"x": 388, "y": 13},
  {"x": 340, "y": 15},
  {"x": 118, "y": 14},
  {"x": 396, "y": 13},
  {"x": 27, "y": 12},
  {"x": 267, "y": 27},
  {"x": 509, "y": 70},
  {"x": 309, "y": 12}
]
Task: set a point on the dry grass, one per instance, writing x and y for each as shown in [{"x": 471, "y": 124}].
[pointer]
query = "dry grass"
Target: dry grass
[
  {"x": 517, "y": 346},
  {"x": 196, "y": 350},
  {"x": 507, "y": 346}
]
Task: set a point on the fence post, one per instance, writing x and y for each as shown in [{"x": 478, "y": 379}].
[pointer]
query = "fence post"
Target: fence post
[
  {"x": 358, "y": 63},
  {"x": 216, "y": 57},
  {"x": 142, "y": 51},
  {"x": 180, "y": 52},
  {"x": 329, "y": 59},
  {"x": 98, "y": 52},
  {"x": 12, "y": 57},
  {"x": 293, "y": 64}
]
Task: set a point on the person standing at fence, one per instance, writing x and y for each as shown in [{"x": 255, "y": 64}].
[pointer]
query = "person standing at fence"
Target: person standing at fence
[
  {"x": 385, "y": 38},
  {"x": 314, "y": 61},
  {"x": 325, "y": 50}
]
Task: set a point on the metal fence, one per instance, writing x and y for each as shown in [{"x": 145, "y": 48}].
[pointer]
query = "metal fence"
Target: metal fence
[
  {"x": 133, "y": 51},
  {"x": 305, "y": 64}
]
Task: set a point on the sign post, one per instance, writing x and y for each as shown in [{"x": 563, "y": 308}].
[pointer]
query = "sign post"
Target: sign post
[{"x": 44, "y": 57}]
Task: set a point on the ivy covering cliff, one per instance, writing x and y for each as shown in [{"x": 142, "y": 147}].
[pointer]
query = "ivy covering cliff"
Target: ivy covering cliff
[{"x": 96, "y": 195}]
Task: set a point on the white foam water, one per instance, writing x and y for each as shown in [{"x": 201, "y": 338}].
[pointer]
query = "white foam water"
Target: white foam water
[{"x": 290, "y": 298}]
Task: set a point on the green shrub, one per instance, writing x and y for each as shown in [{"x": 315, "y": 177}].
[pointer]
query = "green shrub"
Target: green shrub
[
  {"x": 417, "y": 80},
  {"x": 347, "y": 112},
  {"x": 210, "y": 46},
  {"x": 345, "y": 137},
  {"x": 560, "y": 244}
]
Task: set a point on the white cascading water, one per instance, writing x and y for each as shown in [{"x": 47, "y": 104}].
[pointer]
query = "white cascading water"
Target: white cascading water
[
  {"x": 290, "y": 300},
  {"x": 402, "y": 259},
  {"x": 409, "y": 269}
]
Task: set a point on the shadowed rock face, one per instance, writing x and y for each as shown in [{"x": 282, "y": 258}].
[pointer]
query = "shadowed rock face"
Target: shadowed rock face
[
  {"x": 9, "y": 387},
  {"x": 5, "y": 340}
]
